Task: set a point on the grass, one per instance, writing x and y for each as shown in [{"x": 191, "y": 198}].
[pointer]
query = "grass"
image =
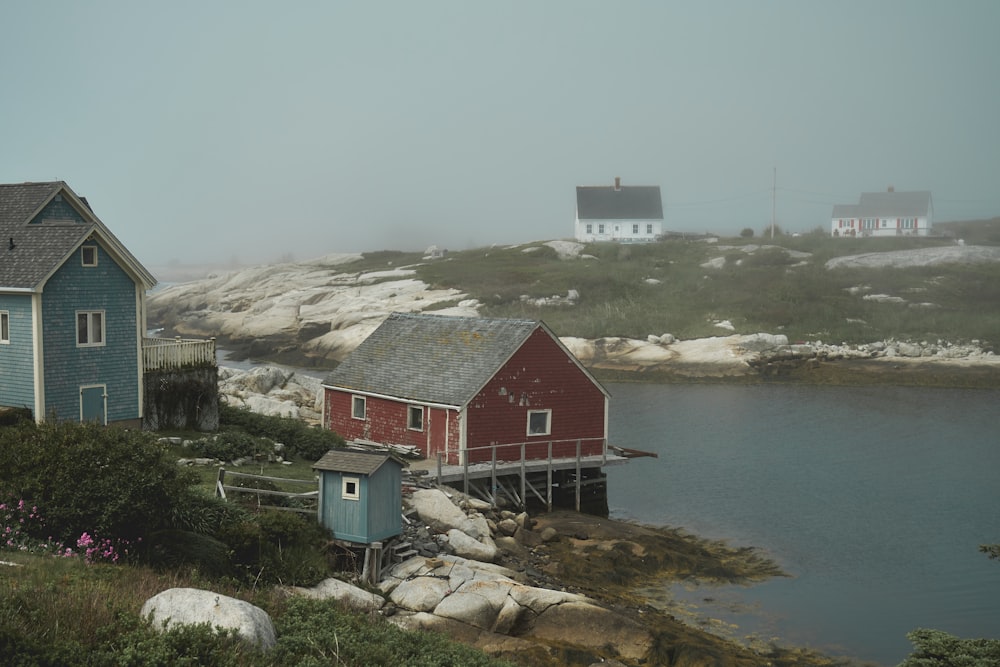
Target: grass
[
  {"x": 666, "y": 287},
  {"x": 66, "y": 612}
]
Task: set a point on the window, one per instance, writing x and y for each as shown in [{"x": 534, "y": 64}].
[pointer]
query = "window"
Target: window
[
  {"x": 590, "y": 228},
  {"x": 350, "y": 488},
  {"x": 358, "y": 407},
  {"x": 88, "y": 255},
  {"x": 635, "y": 229},
  {"x": 649, "y": 228},
  {"x": 89, "y": 328},
  {"x": 539, "y": 422},
  {"x": 600, "y": 229},
  {"x": 415, "y": 418},
  {"x": 4, "y": 327}
]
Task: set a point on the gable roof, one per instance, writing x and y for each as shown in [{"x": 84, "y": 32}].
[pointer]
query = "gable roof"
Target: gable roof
[
  {"x": 887, "y": 205},
  {"x": 41, "y": 246},
  {"x": 633, "y": 202},
  {"x": 353, "y": 462},
  {"x": 434, "y": 358}
]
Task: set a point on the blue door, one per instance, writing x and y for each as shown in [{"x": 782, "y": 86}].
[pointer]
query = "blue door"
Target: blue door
[{"x": 93, "y": 404}]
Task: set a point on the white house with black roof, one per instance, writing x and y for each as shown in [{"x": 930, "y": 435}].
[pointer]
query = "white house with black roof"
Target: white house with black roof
[
  {"x": 888, "y": 213},
  {"x": 619, "y": 213}
]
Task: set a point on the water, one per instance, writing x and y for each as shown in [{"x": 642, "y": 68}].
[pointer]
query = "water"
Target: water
[{"x": 874, "y": 499}]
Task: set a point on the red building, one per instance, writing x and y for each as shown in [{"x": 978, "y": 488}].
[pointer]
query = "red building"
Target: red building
[{"x": 463, "y": 385}]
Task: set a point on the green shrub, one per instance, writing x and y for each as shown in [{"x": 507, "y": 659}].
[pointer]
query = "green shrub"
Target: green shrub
[
  {"x": 301, "y": 440},
  {"x": 231, "y": 444},
  {"x": 934, "y": 648},
  {"x": 278, "y": 547},
  {"x": 108, "y": 482}
]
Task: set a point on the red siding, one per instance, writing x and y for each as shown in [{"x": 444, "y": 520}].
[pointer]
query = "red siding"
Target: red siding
[
  {"x": 539, "y": 376},
  {"x": 386, "y": 422}
]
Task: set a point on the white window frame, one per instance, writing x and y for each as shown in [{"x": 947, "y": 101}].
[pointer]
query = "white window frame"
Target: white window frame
[
  {"x": 649, "y": 228},
  {"x": 548, "y": 422},
  {"x": 84, "y": 253},
  {"x": 4, "y": 327},
  {"x": 590, "y": 228},
  {"x": 102, "y": 333},
  {"x": 345, "y": 488},
  {"x": 357, "y": 400},
  {"x": 600, "y": 229},
  {"x": 418, "y": 411}
]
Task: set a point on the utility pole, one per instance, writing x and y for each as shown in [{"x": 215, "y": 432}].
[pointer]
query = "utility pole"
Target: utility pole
[{"x": 774, "y": 186}]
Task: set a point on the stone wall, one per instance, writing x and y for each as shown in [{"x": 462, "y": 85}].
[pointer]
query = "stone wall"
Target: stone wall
[{"x": 182, "y": 399}]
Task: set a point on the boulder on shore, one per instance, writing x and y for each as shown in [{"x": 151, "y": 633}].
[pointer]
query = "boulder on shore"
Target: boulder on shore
[{"x": 193, "y": 606}]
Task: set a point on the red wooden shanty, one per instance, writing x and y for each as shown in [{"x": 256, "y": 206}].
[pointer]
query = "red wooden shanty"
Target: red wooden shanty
[{"x": 466, "y": 386}]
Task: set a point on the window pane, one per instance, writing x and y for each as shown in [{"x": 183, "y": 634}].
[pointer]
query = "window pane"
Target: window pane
[
  {"x": 538, "y": 423},
  {"x": 358, "y": 409},
  {"x": 81, "y": 328},
  {"x": 97, "y": 336},
  {"x": 4, "y": 327}
]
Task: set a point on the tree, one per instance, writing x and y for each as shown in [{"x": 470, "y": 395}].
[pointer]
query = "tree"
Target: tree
[
  {"x": 934, "y": 648},
  {"x": 746, "y": 233}
]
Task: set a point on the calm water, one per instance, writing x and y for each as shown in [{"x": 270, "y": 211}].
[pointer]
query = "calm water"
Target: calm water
[{"x": 874, "y": 500}]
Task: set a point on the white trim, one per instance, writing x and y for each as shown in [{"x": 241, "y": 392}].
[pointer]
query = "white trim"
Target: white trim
[
  {"x": 347, "y": 494},
  {"x": 395, "y": 399},
  {"x": 90, "y": 320},
  {"x": 104, "y": 387},
  {"x": 409, "y": 417},
  {"x": 548, "y": 422},
  {"x": 83, "y": 254},
  {"x": 4, "y": 318},
  {"x": 364, "y": 407},
  {"x": 37, "y": 363}
]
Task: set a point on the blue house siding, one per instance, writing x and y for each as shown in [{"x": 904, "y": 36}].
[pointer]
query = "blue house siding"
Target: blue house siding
[
  {"x": 374, "y": 516},
  {"x": 17, "y": 388},
  {"x": 58, "y": 209},
  {"x": 346, "y": 518},
  {"x": 108, "y": 288},
  {"x": 386, "y": 499}
]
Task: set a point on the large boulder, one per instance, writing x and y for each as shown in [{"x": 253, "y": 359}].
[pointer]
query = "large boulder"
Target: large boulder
[
  {"x": 192, "y": 606},
  {"x": 345, "y": 593},
  {"x": 586, "y": 625},
  {"x": 437, "y": 510},
  {"x": 466, "y": 546}
]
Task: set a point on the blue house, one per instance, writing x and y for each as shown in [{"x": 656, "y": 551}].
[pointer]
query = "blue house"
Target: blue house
[
  {"x": 360, "y": 495},
  {"x": 72, "y": 310}
]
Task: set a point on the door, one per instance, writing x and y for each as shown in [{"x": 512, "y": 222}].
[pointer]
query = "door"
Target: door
[{"x": 94, "y": 404}]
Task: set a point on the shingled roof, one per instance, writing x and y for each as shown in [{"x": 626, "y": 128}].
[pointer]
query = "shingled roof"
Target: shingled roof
[
  {"x": 431, "y": 358},
  {"x": 888, "y": 204},
  {"x": 353, "y": 462},
  {"x": 32, "y": 247},
  {"x": 633, "y": 202}
]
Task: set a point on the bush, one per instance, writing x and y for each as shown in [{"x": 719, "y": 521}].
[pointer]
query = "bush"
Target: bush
[
  {"x": 230, "y": 445},
  {"x": 934, "y": 648},
  {"x": 108, "y": 482},
  {"x": 301, "y": 440},
  {"x": 278, "y": 547}
]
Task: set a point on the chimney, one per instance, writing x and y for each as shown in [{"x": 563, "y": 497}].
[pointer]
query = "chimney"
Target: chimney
[
  {"x": 892, "y": 189},
  {"x": 618, "y": 183}
]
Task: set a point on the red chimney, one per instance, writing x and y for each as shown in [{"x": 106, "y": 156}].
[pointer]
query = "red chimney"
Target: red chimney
[{"x": 618, "y": 182}]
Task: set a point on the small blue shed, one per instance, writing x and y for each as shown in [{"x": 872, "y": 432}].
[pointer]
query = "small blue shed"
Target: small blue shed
[{"x": 360, "y": 495}]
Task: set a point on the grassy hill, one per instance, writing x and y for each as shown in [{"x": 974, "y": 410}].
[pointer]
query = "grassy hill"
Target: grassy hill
[{"x": 757, "y": 285}]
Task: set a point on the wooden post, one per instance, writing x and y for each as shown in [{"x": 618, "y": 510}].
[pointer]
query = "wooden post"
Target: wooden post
[
  {"x": 220, "y": 484},
  {"x": 465, "y": 472},
  {"x": 439, "y": 469},
  {"x": 577, "y": 475},
  {"x": 493, "y": 474},
  {"x": 524, "y": 472},
  {"x": 548, "y": 493}
]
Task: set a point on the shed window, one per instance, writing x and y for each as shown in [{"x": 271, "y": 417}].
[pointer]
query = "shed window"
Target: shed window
[
  {"x": 4, "y": 326},
  {"x": 590, "y": 228},
  {"x": 415, "y": 418},
  {"x": 358, "y": 407},
  {"x": 89, "y": 328},
  {"x": 635, "y": 229},
  {"x": 649, "y": 229},
  {"x": 88, "y": 255},
  {"x": 351, "y": 489},
  {"x": 539, "y": 422},
  {"x": 600, "y": 229}
]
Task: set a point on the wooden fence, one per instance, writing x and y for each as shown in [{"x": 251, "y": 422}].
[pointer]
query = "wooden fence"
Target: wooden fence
[
  {"x": 165, "y": 354},
  {"x": 221, "y": 488}
]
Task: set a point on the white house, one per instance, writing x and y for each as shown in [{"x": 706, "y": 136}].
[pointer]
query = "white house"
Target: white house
[
  {"x": 887, "y": 213},
  {"x": 632, "y": 214}
]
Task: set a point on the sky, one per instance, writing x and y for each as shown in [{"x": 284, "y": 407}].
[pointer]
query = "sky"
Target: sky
[{"x": 249, "y": 132}]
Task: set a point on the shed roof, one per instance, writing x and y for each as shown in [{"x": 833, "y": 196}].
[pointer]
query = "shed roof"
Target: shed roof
[
  {"x": 633, "y": 202},
  {"x": 354, "y": 462},
  {"x": 432, "y": 358},
  {"x": 32, "y": 249},
  {"x": 887, "y": 205}
]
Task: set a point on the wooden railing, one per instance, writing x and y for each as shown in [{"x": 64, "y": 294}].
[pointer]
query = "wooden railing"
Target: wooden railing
[{"x": 163, "y": 354}]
